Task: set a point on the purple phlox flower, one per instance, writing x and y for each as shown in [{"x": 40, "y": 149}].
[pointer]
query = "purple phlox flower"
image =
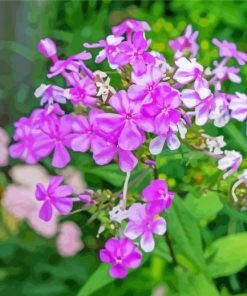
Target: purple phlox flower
[
  {"x": 73, "y": 64},
  {"x": 184, "y": 43},
  {"x": 110, "y": 48},
  {"x": 122, "y": 254},
  {"x": 146, "y": 86},
  {"x": 26, "y": 132},
  {"x": 229, "y": 50},
  {"x": 130, "y": 26},
  {"x": 157, "y": 196},
  {"x": 220, "y": 113},
  {"x": 190, "y": 70},
  {"x": 50, "y": 94},
  {"x": 85, "y": 131},
  {"x": 83, "y": 91},
  {"x": 143, "y": 223},
  {"x": 56, "y": 136},
  {"x": 230, "y": 162},
  {"x": 48, "y": 48},
  {"x": 105, "y": 150},
  {"x": 55, "y": 195},
  {"x": 203, "y": 106},
  {"x": 238, "y": 106},
  {"x": 135, "y": 54},
  {"x": 170, "y": 138},
  {"x": 164, "y": 109},
  {"x": 222, "y": 72},
  {"x": 128, "y": 124}
]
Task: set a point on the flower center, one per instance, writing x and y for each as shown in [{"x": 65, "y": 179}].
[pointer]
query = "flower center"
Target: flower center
[
  {"x": 128, "y": 116},
  {"x": 119, "y": 259}
]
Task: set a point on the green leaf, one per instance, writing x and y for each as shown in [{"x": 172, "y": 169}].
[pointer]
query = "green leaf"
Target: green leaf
[
  {"x": 185, "y": 233},
  {"x": 203, "y": 207},
  {"x": 227, "y": 255},
  {"x": 101, "y": 278},
  {"x": 195, "y": 285},
  {"x": 110, "y": 173}
]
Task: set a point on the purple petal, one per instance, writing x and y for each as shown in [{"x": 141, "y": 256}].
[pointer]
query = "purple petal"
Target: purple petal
[
  {"x": 156, "y": 145},
  {"x": 63, "y": 191},
  {"x": 63, "y": 205},
  {"x": 105, "y": 256},
  {"x": 61, "y": 156},
  {"x": 45, "y": 212},
  {"x": 131, "y": 137},
  {"x": 40, "y": 192},
  {"x": 159, "y": 226},
  {"x": 127, "y": 160},
  {"x": 81, "y": 143},
  {"x": 133, "y": 230},
  {"x": 133, "y": 260},
  {"x": 147, "y": 242},
  {"x": 118, "y": 271}
]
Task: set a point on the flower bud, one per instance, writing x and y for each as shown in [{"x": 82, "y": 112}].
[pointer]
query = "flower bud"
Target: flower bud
[{"x": 47, "y": 47}]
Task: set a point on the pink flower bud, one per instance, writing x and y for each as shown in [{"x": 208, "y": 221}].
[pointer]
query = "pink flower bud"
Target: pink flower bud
[{"x": 47, "y": 47}]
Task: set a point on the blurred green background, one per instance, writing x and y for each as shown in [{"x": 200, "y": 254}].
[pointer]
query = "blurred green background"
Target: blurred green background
[{"x": 29, "y": 264}]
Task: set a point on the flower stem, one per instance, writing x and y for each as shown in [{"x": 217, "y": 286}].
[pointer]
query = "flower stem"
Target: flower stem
[{"x": 125, "y": 189}]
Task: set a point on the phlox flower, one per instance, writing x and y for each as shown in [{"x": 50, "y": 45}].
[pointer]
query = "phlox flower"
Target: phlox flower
[
  {"x": 106, "y": 149},
  {"x": 214, "y": 144},
  {"x": 135, "y": 54},
  {"x": 130, "y": 26},
  {"x": 229, "y": 50},
  {"x": 146, "y": 86},
  {"x": 85, "y": 131},
  {"x": 110, "y": 49},
  {"x": 69, "y": 239},
  {"x": 190, "y": 70},
  {"x": 157, "y": 196},
  {"x": 238, "y": 106},
  {"x": 118, "y": 214},
  {"x": 48, "y": 48},
  {"x": 143, "y": 224},
  {"x": 184, "y": 43},
  {"x": 122, "y": 254},
  {"x": 222, "y": 72},
  {"x": 104, "y": 87},
  {"x": 203, "y": 106},
  {"x": 164, "y": 109},
  {"x": 19, "y": 198},
  {"x": 127, "y": 125},
  {"x": 83, "y": 91},
  {"x": 50, "y": 94},
  {"x": 56, "y": 135},
  {"x": 55, "y": 195},
  {"x": 229, "y": 162},
  {"x": 27, "y": 131},
  {"x": 220, "y": 112},
  {"x": 73, "y": 64}
]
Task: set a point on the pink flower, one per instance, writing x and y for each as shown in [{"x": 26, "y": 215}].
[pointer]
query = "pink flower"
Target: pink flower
[
  {"x": 69, "y": 239},
  {"x": 56, "y": 136},
  {"x": 156, "y": 145},
  {"x": 143, "y": 224},
  {"x": 20, "y": 202},
  {"x": 135, "y": 54},
  {"x": 4, "y": 142},
  {"x": 146, "y": 87},
  {"x": 48, "y": 48},
  {"x": 164, "y": 109},
  {"x": 157, "y": 196},
  {"x": 238, "y": 105},
  {"x": 85, "y": 131},
  {"x": 105, "y": 150},
  {"x": 54, "y": 196},
  {"x": 203, "y": 106},
  {"x": 129, "y": 26},
  {"x": 222, "y": 72},
  {"x": 83, "y": 91},
  {"x": 188, "y": 70},
  {"x": 229, "y": 50},
  {"x": 50, "y": 94},
  {"x": 128, "y": 125},
  {"x": 73, "y": 64},
  {"x": 229, "y": 162},
  {"x": 184, "y": 43},
  {"x": 26, "y": 133},
  {"x": 110, "y": 49},
  {"x": 121, "y": 254}
]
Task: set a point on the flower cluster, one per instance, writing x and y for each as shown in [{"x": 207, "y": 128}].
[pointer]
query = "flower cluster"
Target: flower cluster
[{"x": 155, "y": 106}]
